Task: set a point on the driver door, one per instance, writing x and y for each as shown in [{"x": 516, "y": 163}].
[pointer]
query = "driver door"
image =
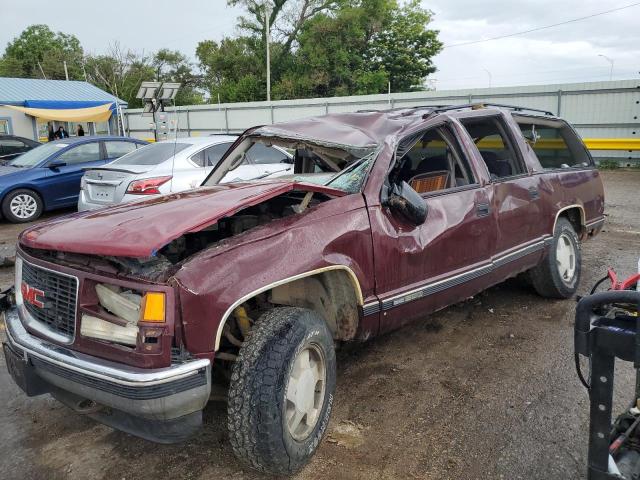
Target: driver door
[{"x": 422, "y": 268}]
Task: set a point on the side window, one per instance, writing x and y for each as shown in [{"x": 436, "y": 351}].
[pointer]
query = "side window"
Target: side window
[
  {"x": 555, "y": 144},
  {"x": 490, "y": 136},
  {"x": 116, "y": 149},
  {"x": 10, "y": 146},
  {"x": 431, "y": 161},
  {"x": 87, "y": 152},
  {"x": 261, "y": 154},
  {"x": 209, "y": 157}
]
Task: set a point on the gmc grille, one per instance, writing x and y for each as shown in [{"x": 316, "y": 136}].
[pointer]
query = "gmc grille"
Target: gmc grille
[{"x": 59, "y": 310}]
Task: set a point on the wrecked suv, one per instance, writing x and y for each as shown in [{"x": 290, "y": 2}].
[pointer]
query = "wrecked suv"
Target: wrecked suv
[{"x": 131, "y": 315}]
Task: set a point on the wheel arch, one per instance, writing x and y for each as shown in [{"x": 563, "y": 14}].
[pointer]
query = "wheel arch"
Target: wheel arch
[
  {"x": 576, "y": 215},
  {"x": 27, "y": 186},
  {"x": 335, "y": 301}
]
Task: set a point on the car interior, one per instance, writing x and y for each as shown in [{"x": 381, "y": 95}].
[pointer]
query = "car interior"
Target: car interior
[
  {"x": 494, "y": 145},
  {"x": 430, "y": 162}
]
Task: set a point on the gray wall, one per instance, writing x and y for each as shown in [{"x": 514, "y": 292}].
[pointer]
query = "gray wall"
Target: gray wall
[{"x": 597, "y": 109}]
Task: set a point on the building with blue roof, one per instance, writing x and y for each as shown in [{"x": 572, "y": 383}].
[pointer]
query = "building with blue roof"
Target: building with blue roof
[{"x": 28, "y": 106}]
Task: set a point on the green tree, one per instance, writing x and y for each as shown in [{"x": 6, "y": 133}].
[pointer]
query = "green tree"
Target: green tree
[
  {"x": 405, "y": 47},
  {"x": 39, "y": 50},
  {"x": 327, "y": 48},
  {"x": 119, "y": 72},
  {"x": 173, "y": 66},
  {"x": 233, "y": 69}
]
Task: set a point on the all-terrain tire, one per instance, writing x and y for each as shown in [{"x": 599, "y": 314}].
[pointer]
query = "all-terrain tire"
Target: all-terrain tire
[
  {"x": 257, "y": 423},
  {"x": 22, "y": 205},
  {"x": 547, "y": 278}
]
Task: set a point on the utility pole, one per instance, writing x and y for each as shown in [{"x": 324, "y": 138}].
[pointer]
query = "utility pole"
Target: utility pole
[
  {"x": 610, "y": 60},
  {"x": 267, "y": 16},
  {"x": 42, "y": 71},
  {"x": 66, "y": 72}
]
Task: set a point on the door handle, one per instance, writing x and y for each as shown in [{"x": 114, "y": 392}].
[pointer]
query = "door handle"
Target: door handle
[
  {"x": 482, "y": 209},
  {"x": 534, "y": 194}
]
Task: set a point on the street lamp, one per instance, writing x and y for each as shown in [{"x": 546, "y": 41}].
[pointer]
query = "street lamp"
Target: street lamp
[
  {"x": 610, "y": 60},
  {"x": 267, "y": 15},
  {"x": 489, "y": 74}
]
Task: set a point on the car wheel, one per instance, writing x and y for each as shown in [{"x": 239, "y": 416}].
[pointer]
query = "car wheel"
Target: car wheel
[
  {"x": 22, "y": 206},
  {"x": 559, "y": 273},
  {"x": 281, "y": 391}
]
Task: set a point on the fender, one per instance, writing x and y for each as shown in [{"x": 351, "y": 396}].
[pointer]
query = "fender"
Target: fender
[
  {"x": 568, "y": 207},
  {"x": 240, "y": 301}
]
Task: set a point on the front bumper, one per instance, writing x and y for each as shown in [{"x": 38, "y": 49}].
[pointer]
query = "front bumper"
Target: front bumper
[{"x": 140, "y": 401}]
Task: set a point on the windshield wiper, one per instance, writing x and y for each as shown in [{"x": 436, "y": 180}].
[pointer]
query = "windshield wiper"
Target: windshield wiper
[{"x": 270, "y": 173}]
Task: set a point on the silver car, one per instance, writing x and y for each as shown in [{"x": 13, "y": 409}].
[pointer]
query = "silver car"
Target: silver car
[{"x": 173, "y": 166}]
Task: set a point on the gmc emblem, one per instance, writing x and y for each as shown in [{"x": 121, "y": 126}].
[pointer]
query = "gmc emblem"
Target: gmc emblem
[{"x": 31, "y": 294}]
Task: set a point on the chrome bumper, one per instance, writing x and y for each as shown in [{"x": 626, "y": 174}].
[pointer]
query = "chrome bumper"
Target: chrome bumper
[{"x": 162, "y": 394}]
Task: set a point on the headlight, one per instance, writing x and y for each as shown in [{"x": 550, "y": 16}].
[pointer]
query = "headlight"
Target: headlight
[{"x": 127, "y": 309}]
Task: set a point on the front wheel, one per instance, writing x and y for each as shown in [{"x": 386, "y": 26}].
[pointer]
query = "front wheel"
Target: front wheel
[
  {"x": 281, "y": 391},
  {"x": 559, "y": 273},
  {"x": 22, "y": 206}
]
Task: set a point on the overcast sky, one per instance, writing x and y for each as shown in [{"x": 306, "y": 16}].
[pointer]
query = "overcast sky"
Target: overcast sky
[{"x": 567, "y": 53}]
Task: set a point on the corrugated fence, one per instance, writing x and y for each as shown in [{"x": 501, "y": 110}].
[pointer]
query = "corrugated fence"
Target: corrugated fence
[{"x": 599, "y": 110}]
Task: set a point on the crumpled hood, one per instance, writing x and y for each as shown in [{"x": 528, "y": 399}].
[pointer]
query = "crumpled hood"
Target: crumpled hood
[{"x": 140, "y": 229}]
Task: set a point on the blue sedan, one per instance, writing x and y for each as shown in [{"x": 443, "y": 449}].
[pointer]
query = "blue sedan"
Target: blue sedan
[{"x": 48, "y": 177}]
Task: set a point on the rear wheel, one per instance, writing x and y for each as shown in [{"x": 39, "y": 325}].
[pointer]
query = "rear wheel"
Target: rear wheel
[
  {"x": 281, "y": 391},
  {"x": 22, "y": 206},
  {"x": 559, "y": 273}
]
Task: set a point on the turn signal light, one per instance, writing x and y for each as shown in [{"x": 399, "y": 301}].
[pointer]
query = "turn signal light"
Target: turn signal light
[
  {"x": 153, "y": 306},
  {"x": 147, "y": 186}
]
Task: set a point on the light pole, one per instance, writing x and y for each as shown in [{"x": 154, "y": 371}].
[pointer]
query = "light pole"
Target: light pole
[
  {"x": 489, "y": 74},
  {"x": 610, "y": 60},
  {"x": 267, "y": 16}
]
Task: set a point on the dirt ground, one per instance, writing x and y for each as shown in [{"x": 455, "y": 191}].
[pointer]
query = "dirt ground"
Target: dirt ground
[{"x": 485, "y": 389}]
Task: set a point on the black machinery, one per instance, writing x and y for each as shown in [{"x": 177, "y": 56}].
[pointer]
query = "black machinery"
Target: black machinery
[{"x": 607, "y": 328}]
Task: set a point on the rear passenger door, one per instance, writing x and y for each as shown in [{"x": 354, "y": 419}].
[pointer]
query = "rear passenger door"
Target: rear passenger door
[
  {"x": 516, "y": 200},
  {"x": 65, "y": 171}
]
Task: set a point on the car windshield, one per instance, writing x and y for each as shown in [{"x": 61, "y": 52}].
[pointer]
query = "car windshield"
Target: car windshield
[
  {"x": 35, "y": 156},
  {"x": 343, "y": 167},
  {"x": 351, "y": 178},
  {"x": 153, "y": 154}
]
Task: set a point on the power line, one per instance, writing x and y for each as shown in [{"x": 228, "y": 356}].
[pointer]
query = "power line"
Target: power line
[{"x": 541, "y": 28}]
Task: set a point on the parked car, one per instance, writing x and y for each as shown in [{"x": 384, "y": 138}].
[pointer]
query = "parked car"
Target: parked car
[
  {"x": 12, "y": 146},
  {"x": 48, "y": 177},
  {"x": 124, "y": 314},
  {"x": 173, "y": 166}
]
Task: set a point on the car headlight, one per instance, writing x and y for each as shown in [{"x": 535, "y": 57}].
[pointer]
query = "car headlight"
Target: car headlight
[{"x": 126, "y": 309}]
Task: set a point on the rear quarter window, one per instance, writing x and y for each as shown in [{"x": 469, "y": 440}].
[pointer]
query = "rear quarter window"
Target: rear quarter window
[{"x": 555, "y": 144}]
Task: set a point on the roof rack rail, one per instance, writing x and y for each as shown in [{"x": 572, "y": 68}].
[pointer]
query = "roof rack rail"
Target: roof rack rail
[
  {"x": 396, "y": 109},
  {"x": 519, "y": 109},
  {"x": 479, "y": 105}
]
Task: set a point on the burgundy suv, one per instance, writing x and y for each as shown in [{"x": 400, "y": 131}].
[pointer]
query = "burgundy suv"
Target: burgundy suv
[{"x": 130, "y": 314}]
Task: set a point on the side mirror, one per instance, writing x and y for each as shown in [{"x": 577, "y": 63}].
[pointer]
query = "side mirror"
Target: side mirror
[
  {"x": 56, "y": 164},
  {"x": 406, "y": 202}
]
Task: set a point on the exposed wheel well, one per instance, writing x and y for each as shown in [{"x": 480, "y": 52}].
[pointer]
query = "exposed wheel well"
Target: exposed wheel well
[
  {"x": 575, "y": 215},
  {"x": 334, "y": 293}
]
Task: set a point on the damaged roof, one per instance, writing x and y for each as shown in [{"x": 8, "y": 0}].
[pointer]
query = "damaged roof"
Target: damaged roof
[{"x": 359, "y": 130}]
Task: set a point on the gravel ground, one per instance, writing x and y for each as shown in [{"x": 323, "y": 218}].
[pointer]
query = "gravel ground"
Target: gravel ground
[{"x": 485, "y": 389}]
